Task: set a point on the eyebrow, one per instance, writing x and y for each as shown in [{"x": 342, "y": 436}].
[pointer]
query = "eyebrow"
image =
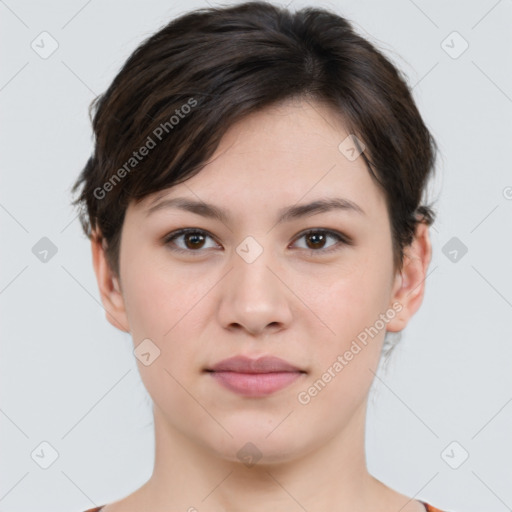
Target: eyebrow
[{"x": 284, "y": 215}]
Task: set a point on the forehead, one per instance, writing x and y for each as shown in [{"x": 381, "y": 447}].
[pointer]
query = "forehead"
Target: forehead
[{"x": 288, "y": 153}]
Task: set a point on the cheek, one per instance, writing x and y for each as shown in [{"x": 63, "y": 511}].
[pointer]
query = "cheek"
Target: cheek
[
  {"x": 164, "y": 307},
  {"x": 349, "y": 306},
  {"x": 349, "y": 302},
  {"x": 158, "y": 298}
]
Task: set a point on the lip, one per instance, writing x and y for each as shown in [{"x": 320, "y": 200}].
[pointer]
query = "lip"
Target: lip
[
  {"x": 243, "y": 364},
  {"x": 254, "y": 377}
]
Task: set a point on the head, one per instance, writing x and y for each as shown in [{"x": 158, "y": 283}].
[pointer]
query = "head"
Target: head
[{"x": 250, "y": 112}]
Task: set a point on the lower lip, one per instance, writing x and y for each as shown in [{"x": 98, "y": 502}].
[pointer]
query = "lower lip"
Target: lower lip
[{"x": 255, "y": 384}]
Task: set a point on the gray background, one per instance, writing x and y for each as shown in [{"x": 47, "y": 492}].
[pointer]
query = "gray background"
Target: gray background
[{"x": 68, "y": 378}]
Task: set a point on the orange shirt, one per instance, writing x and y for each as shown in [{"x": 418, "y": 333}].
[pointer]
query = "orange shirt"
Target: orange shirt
[{"x": 428, "y": 508}]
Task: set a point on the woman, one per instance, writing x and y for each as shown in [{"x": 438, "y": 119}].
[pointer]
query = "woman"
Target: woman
[{"x": 254, "y": 204}]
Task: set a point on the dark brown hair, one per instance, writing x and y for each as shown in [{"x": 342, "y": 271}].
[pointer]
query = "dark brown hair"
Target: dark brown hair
[{"x": 183, "y": 87}]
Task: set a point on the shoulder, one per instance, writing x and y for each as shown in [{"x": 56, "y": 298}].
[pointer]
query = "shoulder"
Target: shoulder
[{"x": 430, "y": 508}]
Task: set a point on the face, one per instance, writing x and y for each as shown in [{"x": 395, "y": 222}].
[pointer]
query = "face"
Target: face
[{"x": 317, "y": 290}]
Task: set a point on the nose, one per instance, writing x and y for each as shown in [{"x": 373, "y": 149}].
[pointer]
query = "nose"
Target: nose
[{"x": 254, "y": 295}]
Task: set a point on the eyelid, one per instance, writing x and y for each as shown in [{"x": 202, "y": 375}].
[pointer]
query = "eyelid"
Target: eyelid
[
  {"x": 342, "y": 238},
  {"x": 345, "y": 239},
  {"x": 168, "y": 239}
]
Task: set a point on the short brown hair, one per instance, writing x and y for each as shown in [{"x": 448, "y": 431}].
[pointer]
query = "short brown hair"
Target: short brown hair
[{"x": 209, "y": 68}]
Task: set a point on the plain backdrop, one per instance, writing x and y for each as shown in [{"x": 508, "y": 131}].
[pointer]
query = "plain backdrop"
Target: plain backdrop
[{"x": 440, "y": 417}]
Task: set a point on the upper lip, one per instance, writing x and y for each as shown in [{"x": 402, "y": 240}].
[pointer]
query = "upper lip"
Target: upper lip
[{"x": 265, "y": 364}]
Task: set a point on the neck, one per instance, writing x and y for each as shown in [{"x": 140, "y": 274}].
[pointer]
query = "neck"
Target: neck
[{"x": 330, "y": 476}]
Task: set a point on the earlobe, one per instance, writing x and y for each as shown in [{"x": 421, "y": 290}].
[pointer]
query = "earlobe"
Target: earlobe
[
  {"x": 109, "y": 286},
  {"x": 409, "y": 287}
]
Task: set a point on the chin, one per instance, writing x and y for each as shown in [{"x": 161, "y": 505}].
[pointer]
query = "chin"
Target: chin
[{"x": 262, "y": 445}]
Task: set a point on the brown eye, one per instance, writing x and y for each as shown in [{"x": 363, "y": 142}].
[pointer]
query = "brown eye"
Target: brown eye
[
  {"x": 192, "y": 240},
  {"x": 316, "y": 240}
]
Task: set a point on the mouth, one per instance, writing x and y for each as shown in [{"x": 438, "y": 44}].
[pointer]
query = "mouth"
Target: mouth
[{"x": 254, "y": 377}]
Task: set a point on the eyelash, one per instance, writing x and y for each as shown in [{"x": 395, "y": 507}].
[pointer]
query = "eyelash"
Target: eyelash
[{"x": 342, "y": 239}]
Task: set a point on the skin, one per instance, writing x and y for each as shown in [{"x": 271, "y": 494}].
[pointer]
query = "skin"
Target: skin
[{"x": 291, "y": 302}]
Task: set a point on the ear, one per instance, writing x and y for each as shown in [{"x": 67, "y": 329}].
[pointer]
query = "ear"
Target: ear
[
  {"x": 109, "y": 286},
  {"x": 409, "y": 284}
]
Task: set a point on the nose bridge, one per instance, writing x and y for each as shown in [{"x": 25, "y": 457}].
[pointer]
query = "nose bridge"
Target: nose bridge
[
  {"x": 252, "y": 261},
  {"x": 254, "y": 297}
]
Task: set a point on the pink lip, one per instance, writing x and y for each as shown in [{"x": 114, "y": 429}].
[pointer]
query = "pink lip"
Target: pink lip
[{"x": 255, "y": 377}]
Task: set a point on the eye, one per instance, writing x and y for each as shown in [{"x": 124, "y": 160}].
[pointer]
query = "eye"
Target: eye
[
  {"x": 194, "y": 240},
  {"x": 315, "y": 240}
]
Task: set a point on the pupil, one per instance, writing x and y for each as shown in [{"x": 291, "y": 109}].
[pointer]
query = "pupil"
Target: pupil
[
  {"x": 319, "y": 238},
  {"x": 194, "y": 236}
]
